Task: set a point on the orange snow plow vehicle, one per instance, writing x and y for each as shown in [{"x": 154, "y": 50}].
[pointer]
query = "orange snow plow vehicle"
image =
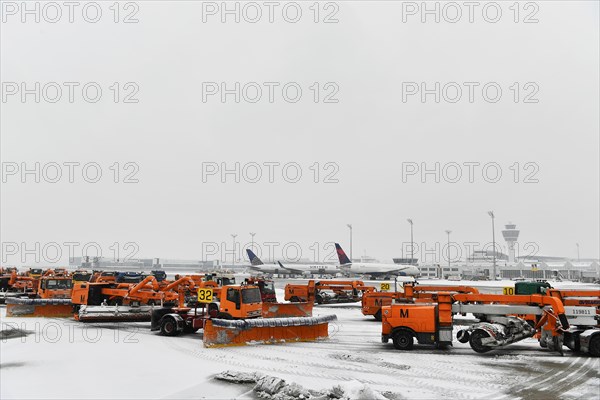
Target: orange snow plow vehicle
[
  {"x": 327, "y": 292},
  {"x": 124, "y": 302},
  {"x": 582, "y": 309},
  {"x": 14, "y": 284},
  {"x": 433, "y": 322},
  {"x": 232, "y": 315},
  {"x": 372, "y": 302},
  {"x": 271, "y": 308},
  {"x": 50, "y": 297}
]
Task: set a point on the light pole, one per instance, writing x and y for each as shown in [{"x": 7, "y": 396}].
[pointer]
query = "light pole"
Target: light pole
[
  {"x": 252, "y": 245},
  {"x": 350, "y": 227},
  {"x": 577, "y": 252},
  {"x": 233, "y": 235},
  {"x": 410, "y": 221},
  {"x": 491, "y": 214},
  {"x": 448, "y": 232}
]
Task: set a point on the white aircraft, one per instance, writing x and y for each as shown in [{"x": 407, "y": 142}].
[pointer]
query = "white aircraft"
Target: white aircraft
[
  {"x": 315, "y": 269},
  {"x": 256, "y": 264},
  {"x": 374, "y": 269},
  {"x": 299, "y": 269}
]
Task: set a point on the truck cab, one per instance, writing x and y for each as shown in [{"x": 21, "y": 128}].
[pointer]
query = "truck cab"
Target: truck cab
[
  {"x": 81, "y": 276},
  {"x": 240, "y": 301},
  {"x": 229, "y": 302},
  {"x": 55, "y": 287},
  {"x": 34, "y": 273}
]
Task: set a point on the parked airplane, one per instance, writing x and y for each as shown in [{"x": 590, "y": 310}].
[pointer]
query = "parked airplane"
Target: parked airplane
[
  {"x": 314, "y": 269},
  {"x": 297, "y": 269},
  {"x": 256, "y": 264},
  {"x": 374, "y": 269}
]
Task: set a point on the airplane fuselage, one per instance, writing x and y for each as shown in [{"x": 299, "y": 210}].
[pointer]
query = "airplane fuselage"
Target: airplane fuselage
[
  {"x": 317, "y": 269},
  {"x": 382, "y": 269}
]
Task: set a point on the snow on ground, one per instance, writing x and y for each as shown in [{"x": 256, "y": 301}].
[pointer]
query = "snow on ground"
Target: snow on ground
[{"x": 65, "y": 359}]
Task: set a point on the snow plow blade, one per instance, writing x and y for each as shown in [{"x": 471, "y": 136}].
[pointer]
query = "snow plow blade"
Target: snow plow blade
[
  {"x": 222, "y": 333},
  {"x": 8, "y": 295},
  {"x": 287, "y": 310},
  {"x": 53, "y": 308},
  {"x": 114, "y": 314}
]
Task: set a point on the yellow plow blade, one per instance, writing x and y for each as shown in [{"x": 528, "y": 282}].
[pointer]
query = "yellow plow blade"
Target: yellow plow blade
[
  {"x": 221, "y": 333},
  {"x": 52, "y": 308}
]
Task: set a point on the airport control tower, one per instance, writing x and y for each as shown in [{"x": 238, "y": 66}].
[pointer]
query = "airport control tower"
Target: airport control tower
[{"x": 511, "y": 234}]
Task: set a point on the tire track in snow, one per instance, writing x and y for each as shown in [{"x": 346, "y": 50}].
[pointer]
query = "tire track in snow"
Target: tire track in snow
[
  {"x": 421, "y": 378},
  {"x": 587, "y": 370},
  {"x": 569, "y": 378},
  {"x": 538, "y": 382}
]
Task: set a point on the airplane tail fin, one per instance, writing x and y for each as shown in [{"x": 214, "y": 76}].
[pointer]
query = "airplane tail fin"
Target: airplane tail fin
[
  {"x": 342, "y": 255},
  {"x": 254, "y": 260}
]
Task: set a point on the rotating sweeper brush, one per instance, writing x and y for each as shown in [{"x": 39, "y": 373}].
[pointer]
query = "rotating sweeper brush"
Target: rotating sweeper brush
[{"x": 114, "y": 314}]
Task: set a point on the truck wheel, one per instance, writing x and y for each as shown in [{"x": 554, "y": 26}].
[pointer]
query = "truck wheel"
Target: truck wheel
[
  {"x": 319, "y": 299},
  {"x": 168, "y": 326},
  {"x": 378, "y": 315},
  {"x": 295, "y": 299},
  {"x": 224, "y": 315},
  {"x": 463, "y": 336},
  {"x": 403, "y": 340},
  {"x": 189, "y": 329},
  {"x": 595, "y": 346},
  {"x": 571, "y": 340},
  {"x": 475, "y": 341},
  {"x": 557, "y": 344}
]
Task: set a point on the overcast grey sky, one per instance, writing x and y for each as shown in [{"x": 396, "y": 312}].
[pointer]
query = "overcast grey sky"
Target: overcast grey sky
[{"x": 370, "y": 61}]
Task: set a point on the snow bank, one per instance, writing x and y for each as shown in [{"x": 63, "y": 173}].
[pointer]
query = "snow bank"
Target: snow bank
[
  {"x": 359, "y": 391},
  {"x": 272, "y": 387}
]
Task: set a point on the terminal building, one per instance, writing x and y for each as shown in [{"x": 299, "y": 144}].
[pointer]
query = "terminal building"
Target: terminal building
[
  {"x": 480, "y": 265},
  {"x": 142, "y": 264}
]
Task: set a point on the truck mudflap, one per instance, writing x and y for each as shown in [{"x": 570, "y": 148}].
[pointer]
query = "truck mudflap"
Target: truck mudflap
[
  {"x": 287, "y": 310},
  {"x": 52, "y": 308},
  {"x": 221, "y": 333}
]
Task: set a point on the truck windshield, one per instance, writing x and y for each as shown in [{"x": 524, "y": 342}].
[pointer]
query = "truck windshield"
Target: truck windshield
[
  {"x": 82, "y": 276},
  {"x": 251, "y": 296},
  {"x": 268, "y": 288},
  {"x": 58, "y": 284},
  {"x": 224, "y": 281}
]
